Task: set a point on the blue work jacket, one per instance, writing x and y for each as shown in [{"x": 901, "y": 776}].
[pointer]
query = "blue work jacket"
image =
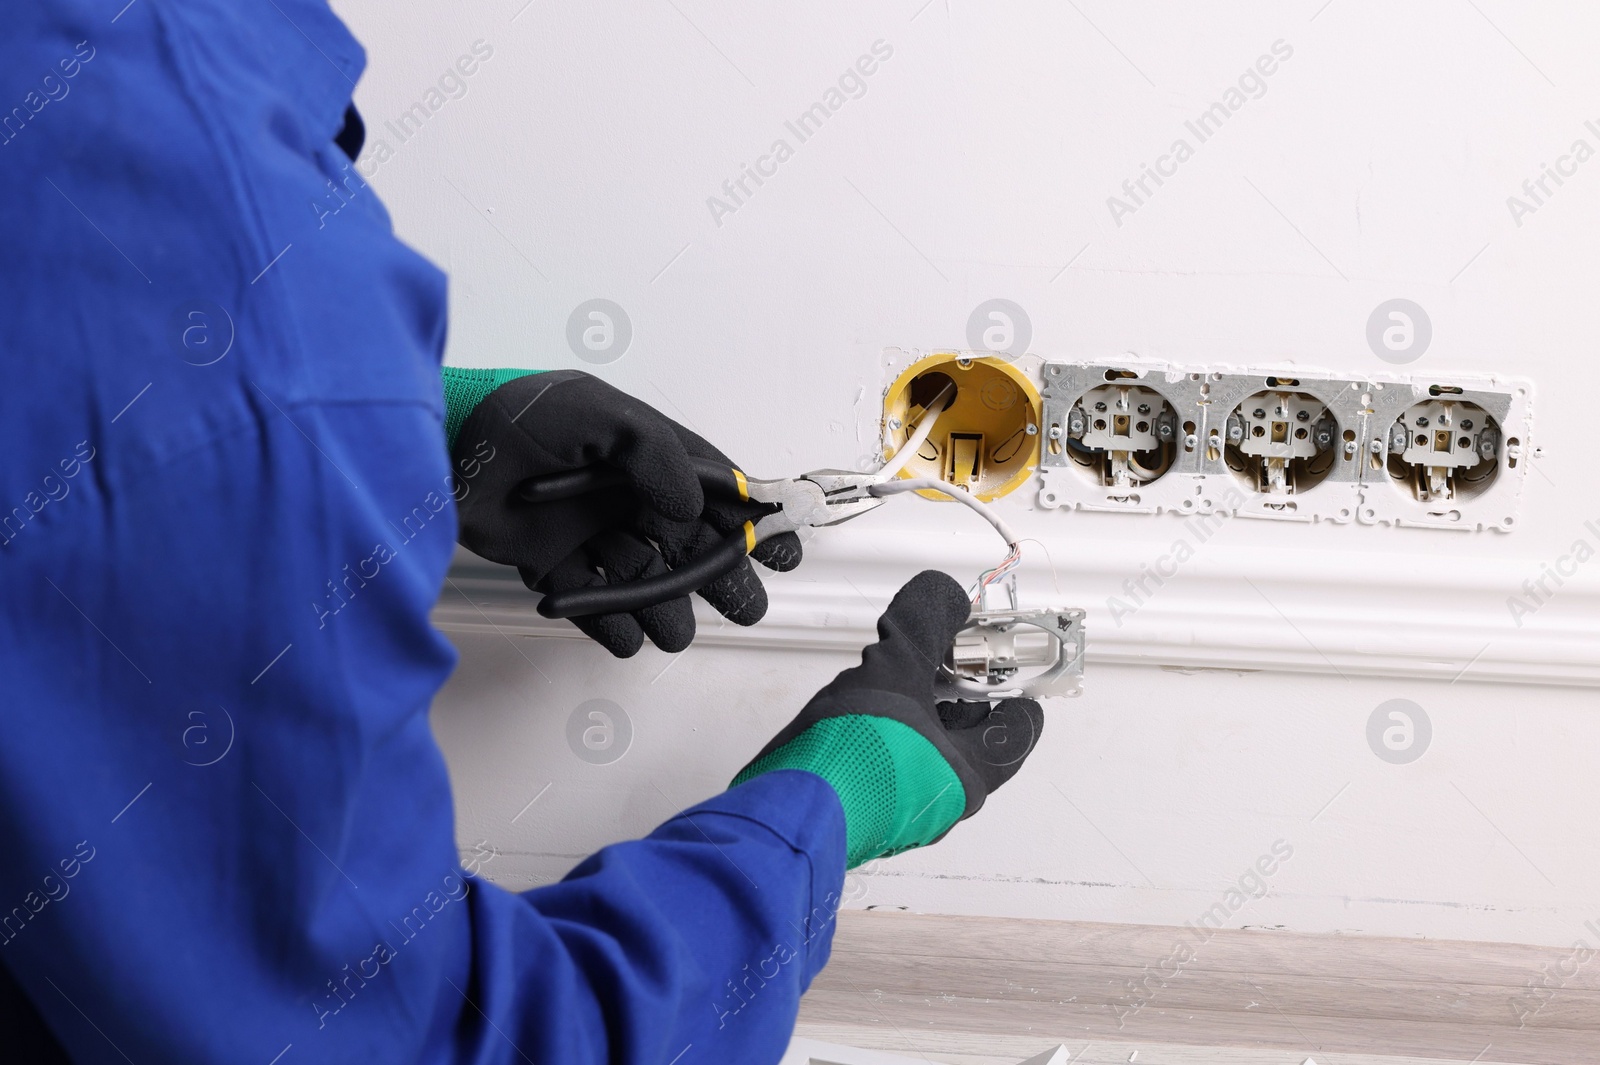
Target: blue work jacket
[{"x": 226, "y": 508}]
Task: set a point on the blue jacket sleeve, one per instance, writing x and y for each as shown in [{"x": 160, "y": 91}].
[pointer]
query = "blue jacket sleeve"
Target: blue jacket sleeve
[
  {"x": 691, "y": 945},
  {"x": 225, "y": 828}
]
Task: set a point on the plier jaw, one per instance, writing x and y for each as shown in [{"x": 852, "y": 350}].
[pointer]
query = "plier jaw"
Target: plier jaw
[{"x": 821, "y": 497}]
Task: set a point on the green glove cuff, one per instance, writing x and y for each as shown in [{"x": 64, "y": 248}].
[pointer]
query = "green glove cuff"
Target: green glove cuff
[
  {"x": 897, "y": 790},
  {"x": 464, "y": 389}
]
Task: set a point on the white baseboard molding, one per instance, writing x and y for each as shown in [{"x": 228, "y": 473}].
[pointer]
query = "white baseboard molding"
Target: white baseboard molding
[{"x": 1340, "y": 614}]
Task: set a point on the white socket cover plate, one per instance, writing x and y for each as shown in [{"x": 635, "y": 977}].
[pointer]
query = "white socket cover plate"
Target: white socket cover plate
[{"x": 1358, "y": 487}]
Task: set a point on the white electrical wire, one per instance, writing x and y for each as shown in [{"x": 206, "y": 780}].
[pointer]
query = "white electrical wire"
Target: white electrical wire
[
  {"x": 890, "y": 484},
  {"x": 932, "y": 484},
  {"x": 918, "y": 436}
]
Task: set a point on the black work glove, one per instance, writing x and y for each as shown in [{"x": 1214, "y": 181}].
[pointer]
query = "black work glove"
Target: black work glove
[
  {"x": 566, "y": 419},
  {"x": 906, "y": 769}
]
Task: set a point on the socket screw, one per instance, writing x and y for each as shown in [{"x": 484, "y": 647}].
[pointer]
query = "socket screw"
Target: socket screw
[
  {"x": 1054, "y": 433},
  {"x": 1349, "y": 448},
  {"x": 1376, "y": 447}
]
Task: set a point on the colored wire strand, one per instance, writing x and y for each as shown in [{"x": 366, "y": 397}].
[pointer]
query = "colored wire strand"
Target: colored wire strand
[
  {"x": 989, "y": 514},
  {"x": 990, "y": 577}
]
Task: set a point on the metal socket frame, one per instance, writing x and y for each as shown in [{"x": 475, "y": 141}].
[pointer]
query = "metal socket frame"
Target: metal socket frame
[
  {"x": 1357, "y": 488},
  {"x": 1064, "y": 677}
]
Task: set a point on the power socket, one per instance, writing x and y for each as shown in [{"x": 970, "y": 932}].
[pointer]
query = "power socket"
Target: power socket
[
  {"x": 1434, "y": 451},
  {"x": 1438, "y": 452}
]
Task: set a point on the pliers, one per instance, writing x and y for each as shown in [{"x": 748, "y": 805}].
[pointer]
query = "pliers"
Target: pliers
[{"x": 821, "y": 497}]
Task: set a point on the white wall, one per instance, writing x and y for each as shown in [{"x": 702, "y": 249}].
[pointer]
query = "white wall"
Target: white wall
[{"x": 977, "y": 164}]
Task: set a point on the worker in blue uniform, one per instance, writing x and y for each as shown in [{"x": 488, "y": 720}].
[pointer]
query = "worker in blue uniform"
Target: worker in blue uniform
[{"x": 226, "y": 831}]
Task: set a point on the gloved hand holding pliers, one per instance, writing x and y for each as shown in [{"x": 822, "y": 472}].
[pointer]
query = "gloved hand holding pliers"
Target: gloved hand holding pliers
[
  {"x": 583, "y": 477},
  {"x": 615, "y": 511}
]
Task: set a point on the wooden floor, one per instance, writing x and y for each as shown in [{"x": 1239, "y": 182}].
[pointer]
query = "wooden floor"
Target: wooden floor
[{"x": 977, "y": 991}]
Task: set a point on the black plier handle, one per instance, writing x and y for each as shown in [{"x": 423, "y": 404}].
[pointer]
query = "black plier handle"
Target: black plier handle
[
  {"x": 823, "y": 497},
  {"x": 716, "y": 479}
]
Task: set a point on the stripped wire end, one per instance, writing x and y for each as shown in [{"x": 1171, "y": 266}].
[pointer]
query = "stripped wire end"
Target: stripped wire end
[{"x": 988, "y": 578}]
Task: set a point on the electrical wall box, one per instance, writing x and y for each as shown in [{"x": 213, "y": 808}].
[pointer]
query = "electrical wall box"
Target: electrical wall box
[
  {"x": 1435, "y": 450},
  {"x": 987, "y": 438}
]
